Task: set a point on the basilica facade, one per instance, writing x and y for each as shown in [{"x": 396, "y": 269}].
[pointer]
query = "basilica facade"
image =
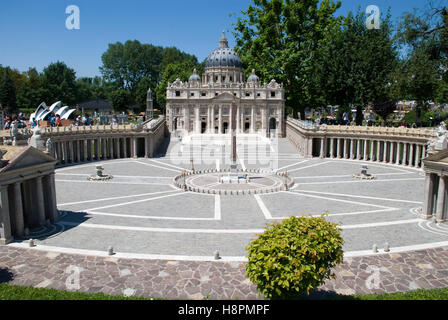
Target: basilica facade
[{"x": 203, "y": 105}]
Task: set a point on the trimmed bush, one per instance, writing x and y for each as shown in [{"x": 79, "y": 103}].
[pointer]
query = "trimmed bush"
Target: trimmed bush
[{"x": 294, "y": 256}]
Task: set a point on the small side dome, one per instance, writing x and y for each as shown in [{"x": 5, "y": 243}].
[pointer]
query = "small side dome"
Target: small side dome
[
  {"x": 253, "y": 77},
  {"x": 194, "y": 76}
]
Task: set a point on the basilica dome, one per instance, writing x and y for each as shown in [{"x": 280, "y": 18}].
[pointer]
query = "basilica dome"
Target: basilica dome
[{"x": 223, "y": 56}]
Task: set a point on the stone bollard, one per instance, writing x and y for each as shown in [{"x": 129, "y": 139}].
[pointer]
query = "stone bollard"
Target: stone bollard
[
  {"x": 110, "y": 251},
  {"x": 374, "y": 248},
  {"x": 217, "y": 257},
  {"x": 386, "y": 247},
  {"x": 31, "y": 243}
]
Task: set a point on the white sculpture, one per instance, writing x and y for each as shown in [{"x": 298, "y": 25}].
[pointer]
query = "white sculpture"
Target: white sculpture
[{"x": 441, "y": 143}]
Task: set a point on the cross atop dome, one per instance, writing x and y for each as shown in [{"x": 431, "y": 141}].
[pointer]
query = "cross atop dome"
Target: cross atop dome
[{"x": 223, "y": 43}]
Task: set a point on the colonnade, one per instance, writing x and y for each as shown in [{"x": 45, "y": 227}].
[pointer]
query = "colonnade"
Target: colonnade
[
  {"x": 81, "y": 149},
  {"x": 406, "y": 153}
]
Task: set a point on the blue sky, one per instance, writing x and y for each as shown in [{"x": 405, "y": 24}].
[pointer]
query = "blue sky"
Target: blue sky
[{"x": 33, "y": 33}]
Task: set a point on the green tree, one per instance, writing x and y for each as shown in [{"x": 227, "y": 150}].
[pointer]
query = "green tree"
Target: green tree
[
  {"x": 279, "y": 38},
  {"x": 355, "y": 65},
  {"x": 126, "y": 64},
  {"x": 8, "y": 93},
  {"x": 120, "y": 100},
  {"x": 59, "y": 84}
]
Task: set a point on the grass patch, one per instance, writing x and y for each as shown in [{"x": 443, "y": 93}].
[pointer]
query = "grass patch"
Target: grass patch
[{"x": 10, "y": 292}]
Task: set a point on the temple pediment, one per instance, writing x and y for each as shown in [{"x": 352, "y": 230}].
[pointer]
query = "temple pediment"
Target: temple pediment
[{"x": 28, "y": 157}]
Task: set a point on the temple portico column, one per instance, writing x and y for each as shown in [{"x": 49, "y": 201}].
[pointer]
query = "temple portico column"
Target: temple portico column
[
  {"x": 19, "y": 223},
  {"x": 5, "y": 217},
  {"x": 441, "y": 199},
  {"x": 429, "y": 195},
  {"x": 52, "y": 208},
  {"x": 40, "y": 203}
]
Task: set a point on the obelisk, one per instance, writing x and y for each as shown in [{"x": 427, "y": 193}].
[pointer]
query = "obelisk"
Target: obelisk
[{"x": 233, "y": 156}]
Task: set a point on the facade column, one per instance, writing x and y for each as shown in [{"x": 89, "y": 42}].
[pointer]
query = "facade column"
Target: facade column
[
  {"x": 19, "y": 222},
  {"x": 441, "y": 199},
  {"x": 384, "y": 152},
  {"x": 372, "y": 149},
  {"x": 197, "y": 120},
  {"x": 40, "y": 201},
  {"x": 338, "y": 148},
  {"x": 252, "y": 120},
  {"x": 346, "y": 148},
  {"x": 72, "y": 153},
  {"x": 264, "y": 124},
  {"x": 187, "y": 119},
  {"x": 5, "y": 217},
  {"x": 220, "y": 119},
  {"x": 118, "y": 148},
  {"x": 213, "y": 119}
]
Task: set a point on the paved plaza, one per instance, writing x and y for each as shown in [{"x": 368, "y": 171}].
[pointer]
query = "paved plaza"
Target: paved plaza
[{"x": 174, "y": 234}]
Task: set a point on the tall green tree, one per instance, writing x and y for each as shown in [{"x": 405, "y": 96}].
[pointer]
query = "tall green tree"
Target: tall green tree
[
  {"x": 279, "y": 38},
  {"x": 355, "y": 65},
  {"x": 59, "y": 83},
  {"x": 8, "y": 93}
]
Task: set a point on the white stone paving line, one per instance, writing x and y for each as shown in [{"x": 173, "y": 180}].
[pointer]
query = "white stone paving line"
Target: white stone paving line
[
  {"x": 137, "y": 201},
  {"x": 311, "y": 166},
  {"x": 169, "y": 165},
  {"x": 291, "y": 165},
  {"x": 114, "y": 182},
  {"x": 160, "y": 167},
  {"x": 358, "y": 181},
  {"x": 359, "y": 196},
  {"x": 94, "y": 213},
  {"x": 142, "y": 256},
  {"x": 116, "y": 198},
  {"x": 397, "y": 167},
  {"x": 115, "y": 176},
  {"x": 93, "y": 164},
  {"x": 351, "y": 176}
]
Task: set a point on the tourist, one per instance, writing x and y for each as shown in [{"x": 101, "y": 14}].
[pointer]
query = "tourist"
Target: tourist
[
  {"x": 114, "y": 120},
  {"x": 52, "y": 120},
  {"x": 7, "y": 124},
  {"x": 33, "y": 123},
  {"x": 58, "y": 121}
]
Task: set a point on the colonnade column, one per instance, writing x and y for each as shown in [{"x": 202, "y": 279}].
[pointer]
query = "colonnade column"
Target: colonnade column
[
  {"x": 411, "y": 153},
  {"x": 78, "y": 151},
  {"x": 372, "y": 147},
  {"x": 322, "y": 148},
  {"x": 418, "y": 150},
  {"x": 125, "y": 147},
  {"x": 365, "y": 150},
  {"x": 397, "y": 156},
  {"x": 378, "y": 150},
  {"x": 54, "y": 215},
  {"x": 405, "y": 154},
  {"x": 391, "y": 152},
  {"x": 331, "y": 147},
  {"x": 352, "y": 149},
  {"x": 358, "y": 149}
]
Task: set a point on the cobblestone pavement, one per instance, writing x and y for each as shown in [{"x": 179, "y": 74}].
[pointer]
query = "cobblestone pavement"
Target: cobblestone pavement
[{"x": 216, "y": 280}]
